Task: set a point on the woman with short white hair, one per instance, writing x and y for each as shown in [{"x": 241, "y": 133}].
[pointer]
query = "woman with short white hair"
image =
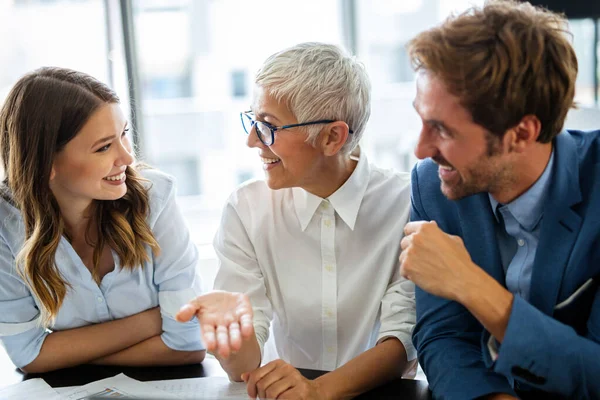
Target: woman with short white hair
[{"x": 315, "y": 245}]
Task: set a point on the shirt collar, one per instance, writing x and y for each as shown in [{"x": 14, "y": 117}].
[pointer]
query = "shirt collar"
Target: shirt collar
[
  {"x": 345, "y": 201},
  {"x": 527, "y": 208}
]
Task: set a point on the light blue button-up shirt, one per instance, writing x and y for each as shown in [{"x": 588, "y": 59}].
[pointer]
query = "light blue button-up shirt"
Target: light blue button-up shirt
[
  {"x": 518, "y": 232},
  {"x": 168, "y": 280}
]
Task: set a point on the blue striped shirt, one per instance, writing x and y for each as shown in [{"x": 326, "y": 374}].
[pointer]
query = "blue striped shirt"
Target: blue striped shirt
[{"x": 168, "y": 280}]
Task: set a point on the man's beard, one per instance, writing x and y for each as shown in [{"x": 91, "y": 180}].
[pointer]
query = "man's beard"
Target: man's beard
[
  {"x": 484, "y": 176},
  {"x": 477, "y": 181}
]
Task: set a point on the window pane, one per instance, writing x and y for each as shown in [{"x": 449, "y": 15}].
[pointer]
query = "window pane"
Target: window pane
[
  {"x": 583, "y": 42},
  {"x": 587, "y": 114},
  {"x": 52, "y": 33},
  {"x": 384, "y": 28},
  {"x": 59, "y": 33}
]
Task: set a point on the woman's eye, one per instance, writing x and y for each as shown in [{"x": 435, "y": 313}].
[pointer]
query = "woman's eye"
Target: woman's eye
[{"x": 103, "y": 149}]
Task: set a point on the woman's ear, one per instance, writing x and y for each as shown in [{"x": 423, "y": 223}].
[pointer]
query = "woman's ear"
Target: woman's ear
[
  {"x": 333, "y": 137},
  {"x": 52, "y": 172}
]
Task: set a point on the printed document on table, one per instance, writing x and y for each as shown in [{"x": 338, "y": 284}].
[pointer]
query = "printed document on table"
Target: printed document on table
[
  {"x": 203, "y": 388},
  {"x": 117, "y": 387},
  {"x": 65, "y": 389},
  {"x": 30, "y": 389}
]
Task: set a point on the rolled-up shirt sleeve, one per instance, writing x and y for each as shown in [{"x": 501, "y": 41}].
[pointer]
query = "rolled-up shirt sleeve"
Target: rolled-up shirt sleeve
[
  {"x": 21, "y": 332},
  {"x": 398, "y": 313},
  {"x": 175, "y": 268},
  {"x": 239, "y": 270}
]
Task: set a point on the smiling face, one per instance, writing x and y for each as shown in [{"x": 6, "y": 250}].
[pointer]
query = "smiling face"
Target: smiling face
[
  {"x": 290, "y": 161},
  {"x": 470, "y": 159},
  {"x": 92, "y": 165}
]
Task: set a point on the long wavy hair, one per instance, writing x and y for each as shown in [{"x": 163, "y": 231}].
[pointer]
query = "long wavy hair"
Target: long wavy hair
[{"x": 42, "y": 113}]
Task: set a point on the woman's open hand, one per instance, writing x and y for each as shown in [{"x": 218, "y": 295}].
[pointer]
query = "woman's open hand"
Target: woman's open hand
[{"x": 225, "y": 319}]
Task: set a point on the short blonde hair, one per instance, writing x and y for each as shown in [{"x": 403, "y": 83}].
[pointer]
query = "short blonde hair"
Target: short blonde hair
[{"x": 320, "y": 81}]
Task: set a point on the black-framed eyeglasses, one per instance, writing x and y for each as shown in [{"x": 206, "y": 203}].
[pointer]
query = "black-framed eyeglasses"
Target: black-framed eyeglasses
[{"x": 266, "y": 131}]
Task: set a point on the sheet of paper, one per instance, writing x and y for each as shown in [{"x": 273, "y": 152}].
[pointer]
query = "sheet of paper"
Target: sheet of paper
[
  {"x": 31, "y": 389},
  {"x": 203, "y": 388},
  {"x": 115, "y": 387},
  {"x": 65, "y": 389}
]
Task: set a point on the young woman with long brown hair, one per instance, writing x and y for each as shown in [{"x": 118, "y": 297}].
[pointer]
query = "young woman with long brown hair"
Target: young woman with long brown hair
[{"x": 95, "y": 258}]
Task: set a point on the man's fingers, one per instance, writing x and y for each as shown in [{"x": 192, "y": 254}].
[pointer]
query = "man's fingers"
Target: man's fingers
[
  {"x": 402, "y": 259},
  {"x": 457, "y": 239},
  {"x": 412, "y": 227},
  {"x": 404, "y": 266},
  {"x": 415, "y": 226},
  {"x": 406, "y": 241}
]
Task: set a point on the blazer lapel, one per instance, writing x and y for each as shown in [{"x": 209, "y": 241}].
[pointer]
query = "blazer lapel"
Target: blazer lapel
[
  {"x": 560, "y": 227},
  {"x": 478, "y": 227}
]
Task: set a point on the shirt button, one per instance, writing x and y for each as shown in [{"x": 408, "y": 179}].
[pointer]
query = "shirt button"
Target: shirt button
[
  {"x": 324, "y": 206},
  {"x": 329, "y": 268},
  {"x": 327, "y": 223},
  {"x": 329, "y": 313},
  {"x": 330, "y": 349},
  {"x": 521, "y": 242},
  {"x": 100, "y": 299}
]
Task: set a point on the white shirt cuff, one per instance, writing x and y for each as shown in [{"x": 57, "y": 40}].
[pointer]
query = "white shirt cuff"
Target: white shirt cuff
[
  {"x": 409, "y": 347},
  {"x": 492, "y": 346}
]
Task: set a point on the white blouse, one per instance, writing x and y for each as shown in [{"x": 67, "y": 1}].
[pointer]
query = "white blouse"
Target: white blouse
[
  {"x": 169, "y": 280},
  {"x": 324, "y": 271}
]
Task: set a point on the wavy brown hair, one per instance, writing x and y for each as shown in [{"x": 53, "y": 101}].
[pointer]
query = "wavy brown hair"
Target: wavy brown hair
[
  {"x": 503, "y": 61},
  {"x": 42, "y": 113}
]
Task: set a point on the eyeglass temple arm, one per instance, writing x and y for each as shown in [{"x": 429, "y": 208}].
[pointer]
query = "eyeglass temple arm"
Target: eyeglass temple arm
[{"x": 321, "y": 121}]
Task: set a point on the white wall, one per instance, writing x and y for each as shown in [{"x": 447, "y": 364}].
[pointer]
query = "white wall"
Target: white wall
[{"x": 583, "y": 118}]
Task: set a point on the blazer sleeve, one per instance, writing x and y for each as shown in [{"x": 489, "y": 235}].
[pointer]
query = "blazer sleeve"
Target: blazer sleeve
[
  {"x": 530, "y": 354},
  {"x": 447, "y": 338}
]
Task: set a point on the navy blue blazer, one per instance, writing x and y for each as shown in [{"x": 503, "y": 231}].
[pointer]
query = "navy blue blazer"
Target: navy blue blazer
[{"x": 538, "y": 352}]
